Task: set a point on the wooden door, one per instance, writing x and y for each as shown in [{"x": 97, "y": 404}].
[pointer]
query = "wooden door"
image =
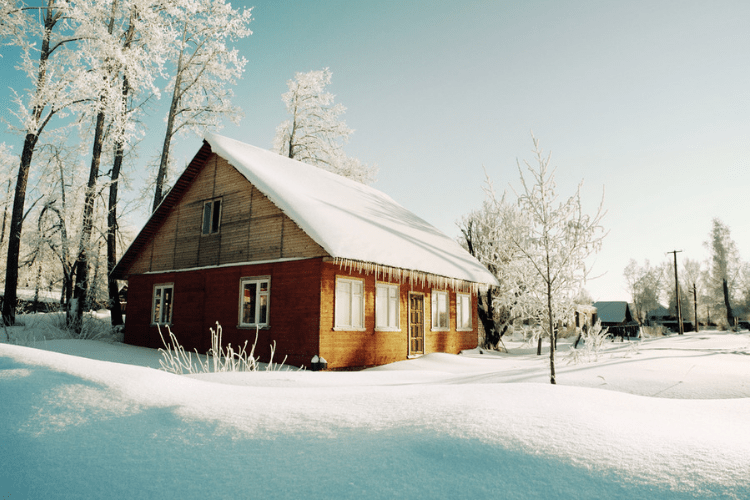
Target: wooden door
[{"x": 416, "y": 324}]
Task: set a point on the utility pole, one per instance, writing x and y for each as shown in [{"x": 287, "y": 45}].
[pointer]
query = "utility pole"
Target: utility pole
[
  {"x": 695, "y": 306},
  {"x": 677, "y": 294}
]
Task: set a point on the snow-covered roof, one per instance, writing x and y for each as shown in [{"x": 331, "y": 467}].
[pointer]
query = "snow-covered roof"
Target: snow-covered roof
[{"x": 350, "y": 220}]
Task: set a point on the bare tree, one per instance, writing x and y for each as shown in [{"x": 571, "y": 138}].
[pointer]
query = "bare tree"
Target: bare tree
[
  {"x": 315, "y": 133},
  {"x": 204, "y": 67},
  {"x": 559, "y": 239}
]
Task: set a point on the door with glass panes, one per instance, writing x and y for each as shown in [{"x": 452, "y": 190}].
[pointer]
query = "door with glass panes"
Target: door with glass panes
[{"x": 416, "y": 324}]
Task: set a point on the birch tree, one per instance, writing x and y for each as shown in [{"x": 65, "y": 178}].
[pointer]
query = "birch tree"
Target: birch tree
[
  {"x": 559, "y": 239},
  {"x": 54, "y": 73},
  {"x": 204, "y": 66},
  {"x": 315, "y": 133}
]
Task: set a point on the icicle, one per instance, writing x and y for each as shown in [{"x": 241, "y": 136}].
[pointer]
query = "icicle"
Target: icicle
[{"x": 415, "y": 278}]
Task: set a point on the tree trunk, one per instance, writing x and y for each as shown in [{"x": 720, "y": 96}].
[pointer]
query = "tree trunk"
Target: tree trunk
[
  {"x": 80, "y": 291},
  {"x": 114, "y": 293},
  {"x": 730, "y": 316},
  {"x": 10, "y": 296},
  {"x": 552, "y": 336},
  {"x": 486, "y": 317},
  {"x": 5, "y": 214},
  {"x": 164, "y": 161}
]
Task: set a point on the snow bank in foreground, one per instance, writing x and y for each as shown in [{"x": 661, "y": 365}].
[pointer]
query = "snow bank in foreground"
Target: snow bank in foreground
[{"x": 445, "y": 428}]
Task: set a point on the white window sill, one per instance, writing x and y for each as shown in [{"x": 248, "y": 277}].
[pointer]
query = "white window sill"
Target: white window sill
[
  {"x": 387, "y": 329},
  {"x": 348, "y": 329},
  {"x": 464, "y": 329},
  {"x": 253, "y": 327},
  {"x": 440, "y": 329}
]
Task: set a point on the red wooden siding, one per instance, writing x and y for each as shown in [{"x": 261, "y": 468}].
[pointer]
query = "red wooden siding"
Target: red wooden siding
[{"x": 203, "y": 297}]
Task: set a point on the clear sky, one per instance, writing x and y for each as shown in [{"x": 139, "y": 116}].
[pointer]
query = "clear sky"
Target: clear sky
[{"x": 649, "y": 100}]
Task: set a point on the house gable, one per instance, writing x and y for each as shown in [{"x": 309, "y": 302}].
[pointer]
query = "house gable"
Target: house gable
[{"x": 251, "y": 227}]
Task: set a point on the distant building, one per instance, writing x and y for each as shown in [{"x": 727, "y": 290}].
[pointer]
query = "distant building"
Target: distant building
[{"x": 617, "y": 318}]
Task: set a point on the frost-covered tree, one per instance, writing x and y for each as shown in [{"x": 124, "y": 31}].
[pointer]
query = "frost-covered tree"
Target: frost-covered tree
[
  {"x": 559, "y": 239},
  {"x": 122, "y": 47},
  {"x": 486, "y": 234},
  {"x": 691, "y": 277},
  {"x": 46, "y": 36},
  {"x": 315, "y": 133},
  {"x": 202, "y": 66},
  {"x": 723, "y": 268},
  {"x": 645, "y": 284}
]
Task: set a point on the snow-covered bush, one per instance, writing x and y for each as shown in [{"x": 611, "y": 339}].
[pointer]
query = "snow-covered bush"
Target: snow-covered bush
[
  {"x": 31, "y": 328},
  {"x": 592, "y": 339},
  {"x": 175, "y": 359},
  {"x": 653, "y": 331}
]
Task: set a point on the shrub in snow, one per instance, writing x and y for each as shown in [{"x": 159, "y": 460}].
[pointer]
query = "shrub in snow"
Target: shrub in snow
[
  {"x": 653, "y": 331},
  {"x": 35, "y": 327},
  {"x": 175, "y": 359},
  {"x": 592, "y": 339}
]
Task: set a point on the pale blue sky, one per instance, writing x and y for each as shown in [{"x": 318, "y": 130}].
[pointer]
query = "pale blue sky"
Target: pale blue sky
[{"x": 650, "y": 99}]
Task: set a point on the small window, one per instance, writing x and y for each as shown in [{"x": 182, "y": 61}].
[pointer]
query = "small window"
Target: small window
[
  {"x": 463, "y": 312},
  {"x": 211, "y": 216},
  {"x": 350, "y": 304},
  {"x": 440, "y": 315},
  {"x": 162, "y": 304},
  {"x": 386, "y": 307},
  {"x": 254, "y": 301}
]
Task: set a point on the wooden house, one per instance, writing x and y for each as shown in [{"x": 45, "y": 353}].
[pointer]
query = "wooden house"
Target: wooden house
[
  {"x": 317, "y": 263},
  {"x": 616, "y": 316}
]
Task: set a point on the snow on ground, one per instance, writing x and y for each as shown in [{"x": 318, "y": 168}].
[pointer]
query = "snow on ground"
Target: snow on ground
[{"x": 663, "y": 418}]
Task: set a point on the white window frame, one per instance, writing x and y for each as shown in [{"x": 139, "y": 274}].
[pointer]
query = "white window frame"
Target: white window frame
[
  {"x": 346, "y": 303},
  {"x": 437, "y": 325},
  {"x": 161, "y": 288},
  {"x": 387, "y": 307},
  {"x": 260, "y": 297},
  {"x": 464, "y": 313},
  {"x": 209, "y": 209}
]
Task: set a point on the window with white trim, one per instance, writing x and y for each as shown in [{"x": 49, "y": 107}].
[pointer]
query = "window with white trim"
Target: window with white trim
[
  {"x": 440, "y": 313},
  {"x": 350, "y": 304},
  {"x": 463, "y": 312},
  {"x": 211, "y": 216},
  {"x": 386, "y": 307},
  {"x": 161, "y": 310},
  {"x": 254, "y": 301}
]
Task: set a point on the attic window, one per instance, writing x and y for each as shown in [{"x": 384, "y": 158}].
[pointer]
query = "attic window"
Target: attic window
[{"x": 211, "y": 216}]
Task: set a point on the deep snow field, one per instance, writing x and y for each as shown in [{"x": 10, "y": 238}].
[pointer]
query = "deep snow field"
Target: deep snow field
[{"x": 667, "y": 417}]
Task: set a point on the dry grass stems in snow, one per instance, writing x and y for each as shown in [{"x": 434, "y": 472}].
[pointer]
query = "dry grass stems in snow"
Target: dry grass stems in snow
[{"x": 175, "y": 359}]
